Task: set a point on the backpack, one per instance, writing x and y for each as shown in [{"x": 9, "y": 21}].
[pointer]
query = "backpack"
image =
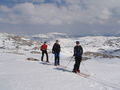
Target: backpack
[{"x": 43, "y": 47}]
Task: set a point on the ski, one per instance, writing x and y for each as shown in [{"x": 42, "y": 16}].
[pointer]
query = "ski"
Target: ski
[
  {"x": 46, "y": 63},
  {"x": 83, "y": 75},
  {"x": 65, "y": 68}
]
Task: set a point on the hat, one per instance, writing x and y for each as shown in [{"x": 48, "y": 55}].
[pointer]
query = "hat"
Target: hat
[
  {"x": 77, "y": 42},
  {"x": 45, "y": 42},
  {"x": 57, "y": 40}
]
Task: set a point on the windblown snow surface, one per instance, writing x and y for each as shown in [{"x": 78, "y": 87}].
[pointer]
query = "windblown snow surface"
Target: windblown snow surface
[{"x": 17, "y": 73}]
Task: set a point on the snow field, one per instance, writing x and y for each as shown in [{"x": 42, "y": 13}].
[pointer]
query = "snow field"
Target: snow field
[{"x": 20, "y": 74}]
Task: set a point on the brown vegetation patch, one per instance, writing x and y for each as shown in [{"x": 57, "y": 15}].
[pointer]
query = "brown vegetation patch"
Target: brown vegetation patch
[
  {"x": 101, "y": 55},
  {"x": 32, "y": 59}
]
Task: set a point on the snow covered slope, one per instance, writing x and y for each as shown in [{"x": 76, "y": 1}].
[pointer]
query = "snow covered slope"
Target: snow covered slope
[
  {"x": 18, "y": 73},
  {"x": 101, "y": 44}
]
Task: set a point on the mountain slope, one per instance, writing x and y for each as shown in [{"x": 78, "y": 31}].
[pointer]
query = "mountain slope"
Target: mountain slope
[
  {"x": 17, "y": 73},
  {"x": 99, "y": 44}
]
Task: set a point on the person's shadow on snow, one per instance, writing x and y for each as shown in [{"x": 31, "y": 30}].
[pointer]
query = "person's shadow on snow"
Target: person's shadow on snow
[
  {"x": 61, "y": 69},
  {"x": 45, "y": 63}
]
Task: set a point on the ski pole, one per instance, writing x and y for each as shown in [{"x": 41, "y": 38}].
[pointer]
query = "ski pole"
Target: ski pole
[{"x": 69, "y": 61}]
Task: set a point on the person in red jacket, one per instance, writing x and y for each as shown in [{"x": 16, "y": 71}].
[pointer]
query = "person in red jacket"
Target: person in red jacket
[{"x": 44, "y": 51}]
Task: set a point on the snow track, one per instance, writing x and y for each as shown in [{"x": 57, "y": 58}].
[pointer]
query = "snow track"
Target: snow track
[
  {"x": 16, "y": 73},
  {"x": 104, "y": 83},
  {"x": 91, "y": 78}
]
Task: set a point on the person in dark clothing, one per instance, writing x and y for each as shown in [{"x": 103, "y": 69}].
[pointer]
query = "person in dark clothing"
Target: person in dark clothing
[
  {"x": 78, "y": 51},
  {"x": 56, "y": 51},
  {"x": 44, "y": 51}
]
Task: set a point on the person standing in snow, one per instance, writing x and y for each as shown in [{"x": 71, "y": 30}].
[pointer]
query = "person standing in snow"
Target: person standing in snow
[
  {"x": 56, "y": 51},
  {"x": 78, "y": 51},
  {"x": 43, "y": 48}
]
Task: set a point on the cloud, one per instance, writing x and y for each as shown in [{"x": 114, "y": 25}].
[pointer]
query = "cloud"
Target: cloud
[
  {"x": 6, "y": 2},
  {"x": 68, "y": 12}
]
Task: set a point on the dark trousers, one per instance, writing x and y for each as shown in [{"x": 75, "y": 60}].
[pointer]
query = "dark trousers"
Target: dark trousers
[
  {"x": 44, "y": 52},
  {"x": 57, "y": 58},
  {"x": 78, "y": 60}
]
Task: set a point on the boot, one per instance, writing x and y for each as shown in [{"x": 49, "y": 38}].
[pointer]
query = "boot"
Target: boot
[
  {"x": 47, "y": 61},
  {"x": 78, "y": 71},
  {"x": 74, "y": 71}
]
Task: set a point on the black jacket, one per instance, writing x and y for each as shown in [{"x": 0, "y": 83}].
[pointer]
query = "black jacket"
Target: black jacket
[
  {"x": 56, "y": 48},
  {"x": 78, "y": 51}
]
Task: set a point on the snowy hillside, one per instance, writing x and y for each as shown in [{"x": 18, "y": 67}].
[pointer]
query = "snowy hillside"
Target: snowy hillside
[
  {"x": 99, "y": 44},
  {"x": 92, "y": 45},
  {"x": 49, "y": 36},
  {"x": 17, "y": 72}
]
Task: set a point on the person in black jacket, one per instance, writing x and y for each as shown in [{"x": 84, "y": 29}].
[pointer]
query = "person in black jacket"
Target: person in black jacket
[
  {"x": 78, "y": 51},
  {"x": 56, "y": 51}
]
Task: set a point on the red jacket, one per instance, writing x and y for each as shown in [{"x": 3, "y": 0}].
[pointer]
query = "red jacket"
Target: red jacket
[{"x": 44, "y": 47}]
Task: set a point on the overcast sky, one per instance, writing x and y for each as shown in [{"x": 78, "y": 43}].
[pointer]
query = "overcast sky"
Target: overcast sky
[{"x": 82, "y": 17}]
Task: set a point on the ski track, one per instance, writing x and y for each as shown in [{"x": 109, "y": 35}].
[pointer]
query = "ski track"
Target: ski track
[
  {"x": 19, "y": 74},
  {"x": 98, "y": 81}
]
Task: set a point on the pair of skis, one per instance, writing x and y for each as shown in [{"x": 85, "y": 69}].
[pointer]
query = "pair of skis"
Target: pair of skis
[
  {"x": 83, "y": 75},
  {"x": 80, "y": 74},
  {"x": 87, "y": 76},
  {"x": 60, "y": 66},
  {"x": 65, "y": 68}
]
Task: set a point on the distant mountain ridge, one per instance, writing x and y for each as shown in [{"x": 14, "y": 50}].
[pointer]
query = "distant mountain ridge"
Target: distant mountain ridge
[
  {"x": 101, "y": 44},
  {"x": 95, "y": 45}
]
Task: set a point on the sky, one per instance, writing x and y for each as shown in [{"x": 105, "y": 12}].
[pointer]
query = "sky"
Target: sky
[{"x": 80, "y": 17}]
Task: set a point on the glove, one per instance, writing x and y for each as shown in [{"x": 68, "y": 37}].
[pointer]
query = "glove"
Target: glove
[
  {"x": 41, "y": 49},
  {"x": 53, "y": 52}
]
